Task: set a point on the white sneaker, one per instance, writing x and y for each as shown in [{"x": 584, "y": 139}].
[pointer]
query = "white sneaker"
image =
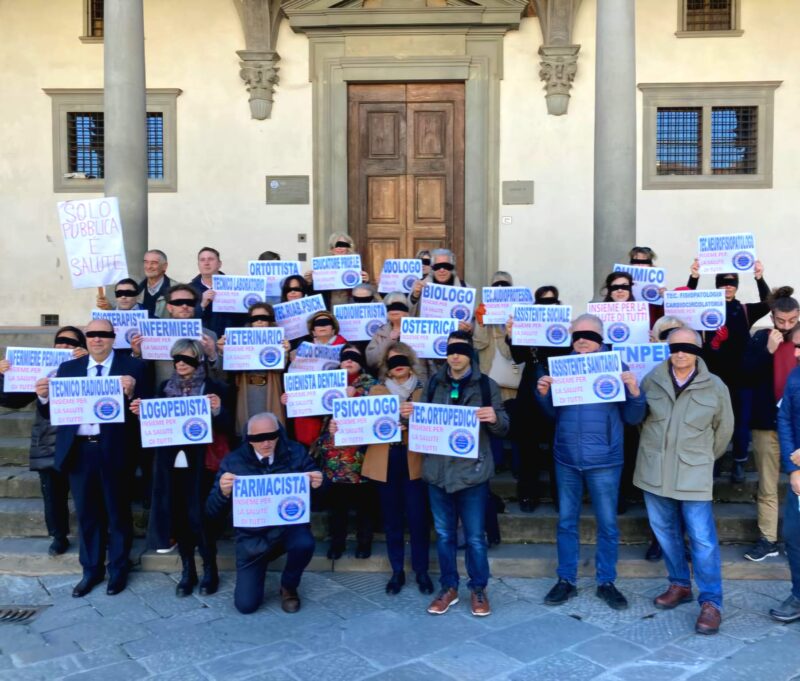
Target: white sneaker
[{"x": 169, "y": 550}]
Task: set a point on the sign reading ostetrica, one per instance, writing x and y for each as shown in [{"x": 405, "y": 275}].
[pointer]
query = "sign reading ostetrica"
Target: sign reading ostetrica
[{"x": 427, "y": 337}]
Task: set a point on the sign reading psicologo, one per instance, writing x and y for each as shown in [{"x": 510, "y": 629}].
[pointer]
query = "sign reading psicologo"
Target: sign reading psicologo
[
  {"x": 606, "y": 386},
  {"x": 106, "y": 409},
  {"x": 195, "y": 429},
  {"x": 384, "y": 428},
  {"x": 291, "y": 508},
  {"x": 461, "y": 442}
]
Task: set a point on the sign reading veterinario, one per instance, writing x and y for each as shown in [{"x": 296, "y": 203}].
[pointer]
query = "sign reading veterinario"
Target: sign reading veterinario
[
  {"x": 445, "y": 430},
  {"x": 255, "y": 348},
  {"x": 175, "y": 421}
]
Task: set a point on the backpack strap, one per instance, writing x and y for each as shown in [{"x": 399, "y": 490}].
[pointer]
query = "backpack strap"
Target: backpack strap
[
  {"x": 486, "y": 391},
  {"x": 431, "y": 388}
]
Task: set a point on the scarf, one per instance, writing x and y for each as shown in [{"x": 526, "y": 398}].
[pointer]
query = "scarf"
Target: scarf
[
  {"x": 402, "y": 390},
  {"x": 179, "y": 387},
  {"x": 783, "y": 364}
]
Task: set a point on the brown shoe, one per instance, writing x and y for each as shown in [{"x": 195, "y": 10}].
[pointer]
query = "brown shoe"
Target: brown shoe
[
  {"x": 290, "y": 601},
  {"x": 441, "y": 604},
  {"x": 480, "y": 603},
  {"x": 673, "y": 597},
  {"x": 709, "y": 620}
]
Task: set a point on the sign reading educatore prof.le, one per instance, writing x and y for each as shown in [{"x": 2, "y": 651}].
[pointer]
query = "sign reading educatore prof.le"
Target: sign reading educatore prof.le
[
  {"x": 445, "y": 430},
  {"x": 271, "y": 500},
  {"x": 169, "y": 421}
]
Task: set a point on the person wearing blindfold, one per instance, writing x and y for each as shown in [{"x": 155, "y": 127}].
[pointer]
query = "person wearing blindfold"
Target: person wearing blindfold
[
  {"x": 443, "y": 271},
  {"x": 588, "y": 450},
  {"x": 54, "y": 484},
  {"x": 126, "y": 294},
  {"x": 397, "y": 307},
  {"x": 689, "y": 424},
  {"x": 293, "y": 287},
  {"x": 182, "y": 478},
  {"x": 425, "y": 256},
  {"x": 364, "y": 294},
  {"x": 266, "y": 450},
  {"x": 642, "y": 256},
  {"x": 618, "y": 288},
  {"x": 339, "y": 243}
]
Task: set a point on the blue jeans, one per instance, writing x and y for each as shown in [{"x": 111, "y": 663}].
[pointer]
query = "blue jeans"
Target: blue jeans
[
  {"x": 469, "y": 505},
  {"x": 698, "y": 517},
  {"x": 791, "y": 535},
  {"x": 603, "y": 484}
]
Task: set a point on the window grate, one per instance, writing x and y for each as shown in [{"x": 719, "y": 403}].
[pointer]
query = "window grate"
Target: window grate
[
  {"x": 96, "y": 18},
  {"x": 734, "y": 140},
  {"x": 709, "y": 15},
  {"x": 679, "y": 149},
  {"x": 48, "y": 320}
]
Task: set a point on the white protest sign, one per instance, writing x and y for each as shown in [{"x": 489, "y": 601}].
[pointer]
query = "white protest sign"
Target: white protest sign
[
  {"x": 499, "y": 301},
  {"x": 171, "y": 421},
  {"x": 159, "y": 335},
  {"x": 399, "y": 275},
  {"x": 74, "y": 401},
  {"x": 446, "y": 302},
  {"x": 647, "y": 282},
  {"x": 335, "y": 272},
  {"x": 237, "y": 294},
  {"x": 589, "y": 378},
  {"x": 28, "y": 365},
  {"x": 275, "y": 271},
  {"x": 623, "y": 322},
  {"x": 255, "y": 348},
  {"x": 292, "y": 315},
  {"x": 367, "y": 420},
  {"x": 271, "y": 500},
  {"x": 444, "y": 429},
  {"x": 427, "y": 337},
  {"x": 702, "y": 310},
  {"x": 721, "y": 253},
  {"x": 316, "y": 357},
  {"x": 360, "y": 321},
  {"x": 92, "y": 234},
  {"x": 126, "y": 324},
  {"x": 541, "y": 325},
  {"x": 642, "y": 359},
  {"x": 313, "y": 393}
]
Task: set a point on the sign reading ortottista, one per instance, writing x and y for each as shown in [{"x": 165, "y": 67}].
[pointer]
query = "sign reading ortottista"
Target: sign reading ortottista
[
  {"x": 647, "y": 282},
  {"x": 159, "y": 335},
  {"x": 237, "y": 294},
  {"x": 28, "y": 365},
  {"x": 253, "y": 349},
  {"x": 313, "y": 393},
  {"x": 360, "y": 321},
  {"x": 292, "y": 315},
  {"x": 175, "y": 421},
  {"x": 270, "y": 500},
  {"x": 447, "y": 302},
  {"x": 541, "y": 325},
  {"x": 126, "y": 324},
  {"x": 699, "y": 310},
  {"x": 74, "y": 401},
  {"x": 428, "y": 337},
  {"x": 275, "y": 272},
  {"x": 445, "y": 430},
  {"x": 589, "y": 378},
  {"x": 335, "y": 272},
  {"x": 623, "y": 322},
  {"x": 367, "y": 420},
  {"x": 726, "y": 253}
]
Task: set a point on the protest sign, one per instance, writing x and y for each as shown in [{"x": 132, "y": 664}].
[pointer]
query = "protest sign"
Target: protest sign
[
  {"x": 316, "y": 357},
  {"x": 367, "y": 420},
  {"x": 702, "y": 310},
  {"x": 312, "y": 393},
  {"x": 444, "y": 429},
  {"x": 74, "y": 401},
  {"x": 292, "y": 315},
  {"x": 92, "y": 232},
  {"x": 590, "y": 378},
  {"x": 447, "y": 302},
  {"x": 126, "y": 324},
  {"x": 647, "y": 282},
  {"x": 28, "y": 365},
  {"x": 623, "y": 322},
  {"x": 427, "y": 337},
  {"x": 541, "y": 325},
  {"x": 275, "y": 271},
  {"x": 399, "y": 275},
  {"x": 334, "y": 272},
  {"x": 171, "y": 421},
  {"x": 271, "y": 500},
  {"x": 642, "y": 359},
  {"x": 255, "y": 348},
  {"x": 499, "y": 302},
  {"x": 360, "y": 321},
  {"x": 237, "y": 294},
  {"x": 159, "y": 335},
  {"x": 721, "y": 253}
]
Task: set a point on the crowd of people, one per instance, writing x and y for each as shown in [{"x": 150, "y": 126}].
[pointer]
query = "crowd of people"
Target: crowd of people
[{"x": 717, "y": 390}]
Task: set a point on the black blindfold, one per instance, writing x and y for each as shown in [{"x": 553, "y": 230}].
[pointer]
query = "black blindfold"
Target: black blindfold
[
  {"x": 322, "y": 321},
  {"x": 402, "y": 307},
  {"x": 396, "y": 361},
  {"x": 262, "y": 318},
  {"x": 342, "y": 244},
  {"x": 362, "y": 299},
  {"x": 443, "y": 266},
  {"x": 262, "y": 437},
  {"x": 125, "y": 293},
  {"x": 587, "y": 335},
  {"x": 353, "y": 356},
  {"x": 688, "y": 348},
  {"x": 191, "y": 360},
  {"x": 460, "y": 349},
  {"x": 66, "y": 340},
  {"x": 100, "y": 334}
]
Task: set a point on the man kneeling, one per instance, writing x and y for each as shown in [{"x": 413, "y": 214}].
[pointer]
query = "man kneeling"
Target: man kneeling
[{"x": 267, "y": 451}]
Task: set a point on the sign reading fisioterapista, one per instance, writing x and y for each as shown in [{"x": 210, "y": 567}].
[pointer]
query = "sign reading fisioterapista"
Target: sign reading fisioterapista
[
  {"x": 316, "y": 357},
  {"x": 647, "y": 282},
  {"x": 336, "y": 272},
  {"x": 399, "y": 275},
  {"x": 447, "y": 302},
  {"x": 237, "y": 294},
  {"x": 719, "y": 253},
  {"x": 702, "y": 310},
  {"x": 74, "y": 401},
  {"x": 642, "y": 359},
  {"x": 623, "y": 322},
  {"x": 159, "y": 335},
  {"x": 255, "y": 348},
  {"x": 360, "y": 321},
  {"x": 445, "y": 430},
  {"x": 171, "y": 421},
  {"x": 293, "y": 314},
  {"x": 126, "y": 324},
  {"x": 313, "y": 393},
  {"x": 427, "y": 337},
  {"x": 590, "y": 378},
  {"x": 367, "y": 420},
  {"x": 28, "y": 365},
  {"x": 275, "y": 271},
  {"x": 541, "y": 325},
  {"x": 499, "y": 302},
  {"x": 271, "y": 500}
]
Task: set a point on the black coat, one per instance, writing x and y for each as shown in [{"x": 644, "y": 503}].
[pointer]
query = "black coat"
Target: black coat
[
  {"x": 43, "y": 434},
  {"x": 758, "y": 369}
]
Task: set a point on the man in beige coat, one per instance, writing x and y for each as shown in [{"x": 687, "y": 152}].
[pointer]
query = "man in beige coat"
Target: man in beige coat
[{"x": 688, "y": 426}]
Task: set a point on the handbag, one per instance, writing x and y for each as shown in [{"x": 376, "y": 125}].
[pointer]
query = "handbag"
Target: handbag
[
  {"x": 216, "y": 451},
  {"x": 505, "y": 372}
]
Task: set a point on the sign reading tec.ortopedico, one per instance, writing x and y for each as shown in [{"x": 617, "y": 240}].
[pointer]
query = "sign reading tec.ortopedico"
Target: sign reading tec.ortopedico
[
  {"x": 74, "y": 401},
  {"x": 445, "y": 430},
  {"x": 360, "y": 321},
  {"x": 427, "y": 337},
  {"x": 159, "y": 335},
  {"x": 255, "y": 348},
  {"x": 367, "y": 420},
  {"x": 292, "y": 315},
  {"x": 499, "y": 302},
  {"x": 171, "y": 421},
  {"x": 647, "y": 282},
  {"x": 589, "y": 378},
  {"x": 275, "y": 271},
  {"x": 447, "y": 302},
  {"x": 271, "y": 500},
  {"x": 623, "y": 322},
  {"x": 642, "y": 359},
  {"x": 702, "y": 310},
  {"x": 541, "y": 325},
  {"x": 719, "y": 253},
  {"x": 237, "y": 294},
  {"x": 313, "y": 393},
  {"x": 399, "y": 275},
  {"x": 336, "y": 272},
  {"x": 126, "y": 324},
  {"x": 28, "y": 365}
]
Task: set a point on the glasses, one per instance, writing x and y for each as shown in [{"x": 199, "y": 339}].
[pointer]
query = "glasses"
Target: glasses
[{"x": 182, "y": 302}]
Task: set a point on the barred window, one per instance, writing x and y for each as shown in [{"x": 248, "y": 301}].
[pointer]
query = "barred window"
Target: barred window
[
  {"x": 679, "y": 144},
  {"x": 92, "y": 21},
  {"x": 708, "y": 18},
  {"x": 734, "y": 140}
]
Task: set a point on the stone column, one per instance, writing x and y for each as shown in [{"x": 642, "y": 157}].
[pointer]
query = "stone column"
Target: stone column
[
  {"x": 124, "y": 103},
  {"x": 614, "y": 136}
]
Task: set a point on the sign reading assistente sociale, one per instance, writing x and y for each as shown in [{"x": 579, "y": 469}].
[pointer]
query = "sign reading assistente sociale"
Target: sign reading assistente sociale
[
  {"x": 312, "y": 393},
  {"x": 126, "y": 324},
  {"x": 367, "y": 420},
  {"x": 642, "y": 359},
  {"x": 253, "y": 348},
  {"x": 360, "y": 321},
  {"x": 28, "y": 365},
  {"x": 541, "y": 325},
  {"x": 74, "y": 401},
  {"x": 447, "y": 302},
  {"x": 399, "y": 275},
  {"x": 237, "y": 294},
  {"x": 719, "y": 253},
  {"x": 589, "y": 378},
  {"x": 499, "y": 301},
  {"x": 444, "y": 430},
  {"x": 271, "y": 500},
  {"x": 702, "y": 310},
  {"x": 159, "y": 335},
  {"x": 292, "y": 315},
  {"x": 623, "y": 322},
  {"x": 427, "y": 337},
  {"x": 275, "y": 271},
  {"x": 175, "y": 421},
  {"x": 647, "y": 282},
  {"x": 335, "y": 272}
]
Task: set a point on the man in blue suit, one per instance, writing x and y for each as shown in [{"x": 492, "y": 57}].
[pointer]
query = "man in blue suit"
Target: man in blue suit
[{"x": 96, "y": 458}]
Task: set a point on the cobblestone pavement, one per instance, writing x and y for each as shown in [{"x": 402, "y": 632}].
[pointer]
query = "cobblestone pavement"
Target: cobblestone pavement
[{"x": 349, "y": 628}]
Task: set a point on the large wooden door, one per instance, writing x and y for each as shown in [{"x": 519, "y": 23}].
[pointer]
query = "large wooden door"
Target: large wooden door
[{"x": 405, "y": 170}]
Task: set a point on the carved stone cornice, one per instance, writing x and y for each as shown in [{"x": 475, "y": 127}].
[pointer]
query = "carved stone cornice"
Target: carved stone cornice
[{"x": 559, "y": 55}]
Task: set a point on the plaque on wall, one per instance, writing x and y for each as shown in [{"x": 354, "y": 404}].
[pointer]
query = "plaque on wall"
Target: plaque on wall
[
  {"x": 287, "y": 189},
  {"x": 518, "y": 193}
]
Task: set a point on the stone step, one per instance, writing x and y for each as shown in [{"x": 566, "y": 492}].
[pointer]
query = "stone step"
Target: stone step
[
  {"x": 14, "y": 451},
  {"x": 16, "y": 423},
  {"x": 17, "y": 482}
]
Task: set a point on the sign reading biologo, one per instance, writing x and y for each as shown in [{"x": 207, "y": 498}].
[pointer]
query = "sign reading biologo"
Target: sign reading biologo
[
  {"x": 399, "y": 275},
  {"x": 590, "y": 378},
  {"x": 367, "y": 420},
  {"x": 623, "y": 322},
  {"x": 237, "y": 294},
  {"x": 699, "y": 310},
  {"x": 255, "y": 348},
  {"x": 28, "y": 365},
  {"x": 360, "y": 321},
  {"x": 647, "y": 282},
  {"x": 275, "y": 271},
  {"x": 499, "y": 301},
  {"x": 126, "y": 324},
  {"x": 74, "y": 401},
  {"x": 316, "y": 357},
  {"x": 541, "y": 325},
  {"x": 447, "y": 302},
  {"x": 159, "y": 335},
  {"x": 175, "y": 421},
  {"x": 445, "y": 430},
  {"x": 313, "y": 393},
  {"x": 335, "y": 272},
  {"x": 270, "y": 500},
  {"x": 428, "y": 337},
  {"x": 291, "y": 316},
  {"x": 642, "y": 359},
  {"x": 726, "y": 253}
]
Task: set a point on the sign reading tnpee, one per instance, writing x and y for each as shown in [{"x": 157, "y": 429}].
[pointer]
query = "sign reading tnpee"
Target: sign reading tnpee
[
  {"x": 726, "y": 253},
  {"x": 74, "y": 401},
  {"x": 92, "y": 233},
  {"x": 445, "y": 430},
  {"x": 175, "y": 421},
  {"x": 642, "y": 359},
  {"x": 270, "y": 500},
  {"x": 589, "y": 378},
  {"x": 28, "y": 365}
]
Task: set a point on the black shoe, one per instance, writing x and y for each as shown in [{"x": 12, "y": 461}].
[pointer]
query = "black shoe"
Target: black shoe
[
  {"x": 209, "y": 584},
  {"x": 364, "y": 551},
  {"x": 737, "y": 473},
  {"x": 335, "y": 553},
  {"x": 117, "y": 584},
  {"x": 424, "y": 583},
  {"x": 188, "y": 578},
  {"x": 86, "y": 585},
  {"x": 654, "y": 551},
  {"x": 395, "y": 584},
  {"x": 611, "y": 595},
  {"x": 622, "y": 505},
  {"x": 763, "y": 548},
  {"x": 59, "y": 546},
  {"x": 528, "y": 505},
  {"x": 560, "y": 593},
  {"x": 789, "y": 610}
]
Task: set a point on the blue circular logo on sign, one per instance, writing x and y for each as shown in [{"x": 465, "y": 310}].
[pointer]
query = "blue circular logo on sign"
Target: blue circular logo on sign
[
  {"x": 440, "y": 346},
  {"x": 461, "y": 312},
  {"x": 711, "y": 319},
  {"x": 195, "y": 430},
  {"x": 373, "y": 326},
  {"x": 384, "y": 428},
  {"x": 329, "y": 396},
  {"x": 106, "y": 409},
  {"x": 52, "y": 374},
  {"x": 650, "y": 293},
  {"x": 252, "y": 299},
  {"x": 350, "y": 278},
  {"x": 606, "y": 386},
  {"x": 269, "y": 357},
  {"x": 743, "y": 260},
  {"x": 461, "y": 442},
  {"x": 557, "y": 334},
  {"x": 619, "y": 332},
  {"x": 130, "y": 334},
  {"x": 409, "y": 281},
  {"x": 291, "y": 508}
]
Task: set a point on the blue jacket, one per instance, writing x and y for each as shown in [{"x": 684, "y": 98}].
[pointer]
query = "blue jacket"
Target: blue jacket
[
  {"x": 789, "y": 421},
  {"x": 591, "y": 435}
]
